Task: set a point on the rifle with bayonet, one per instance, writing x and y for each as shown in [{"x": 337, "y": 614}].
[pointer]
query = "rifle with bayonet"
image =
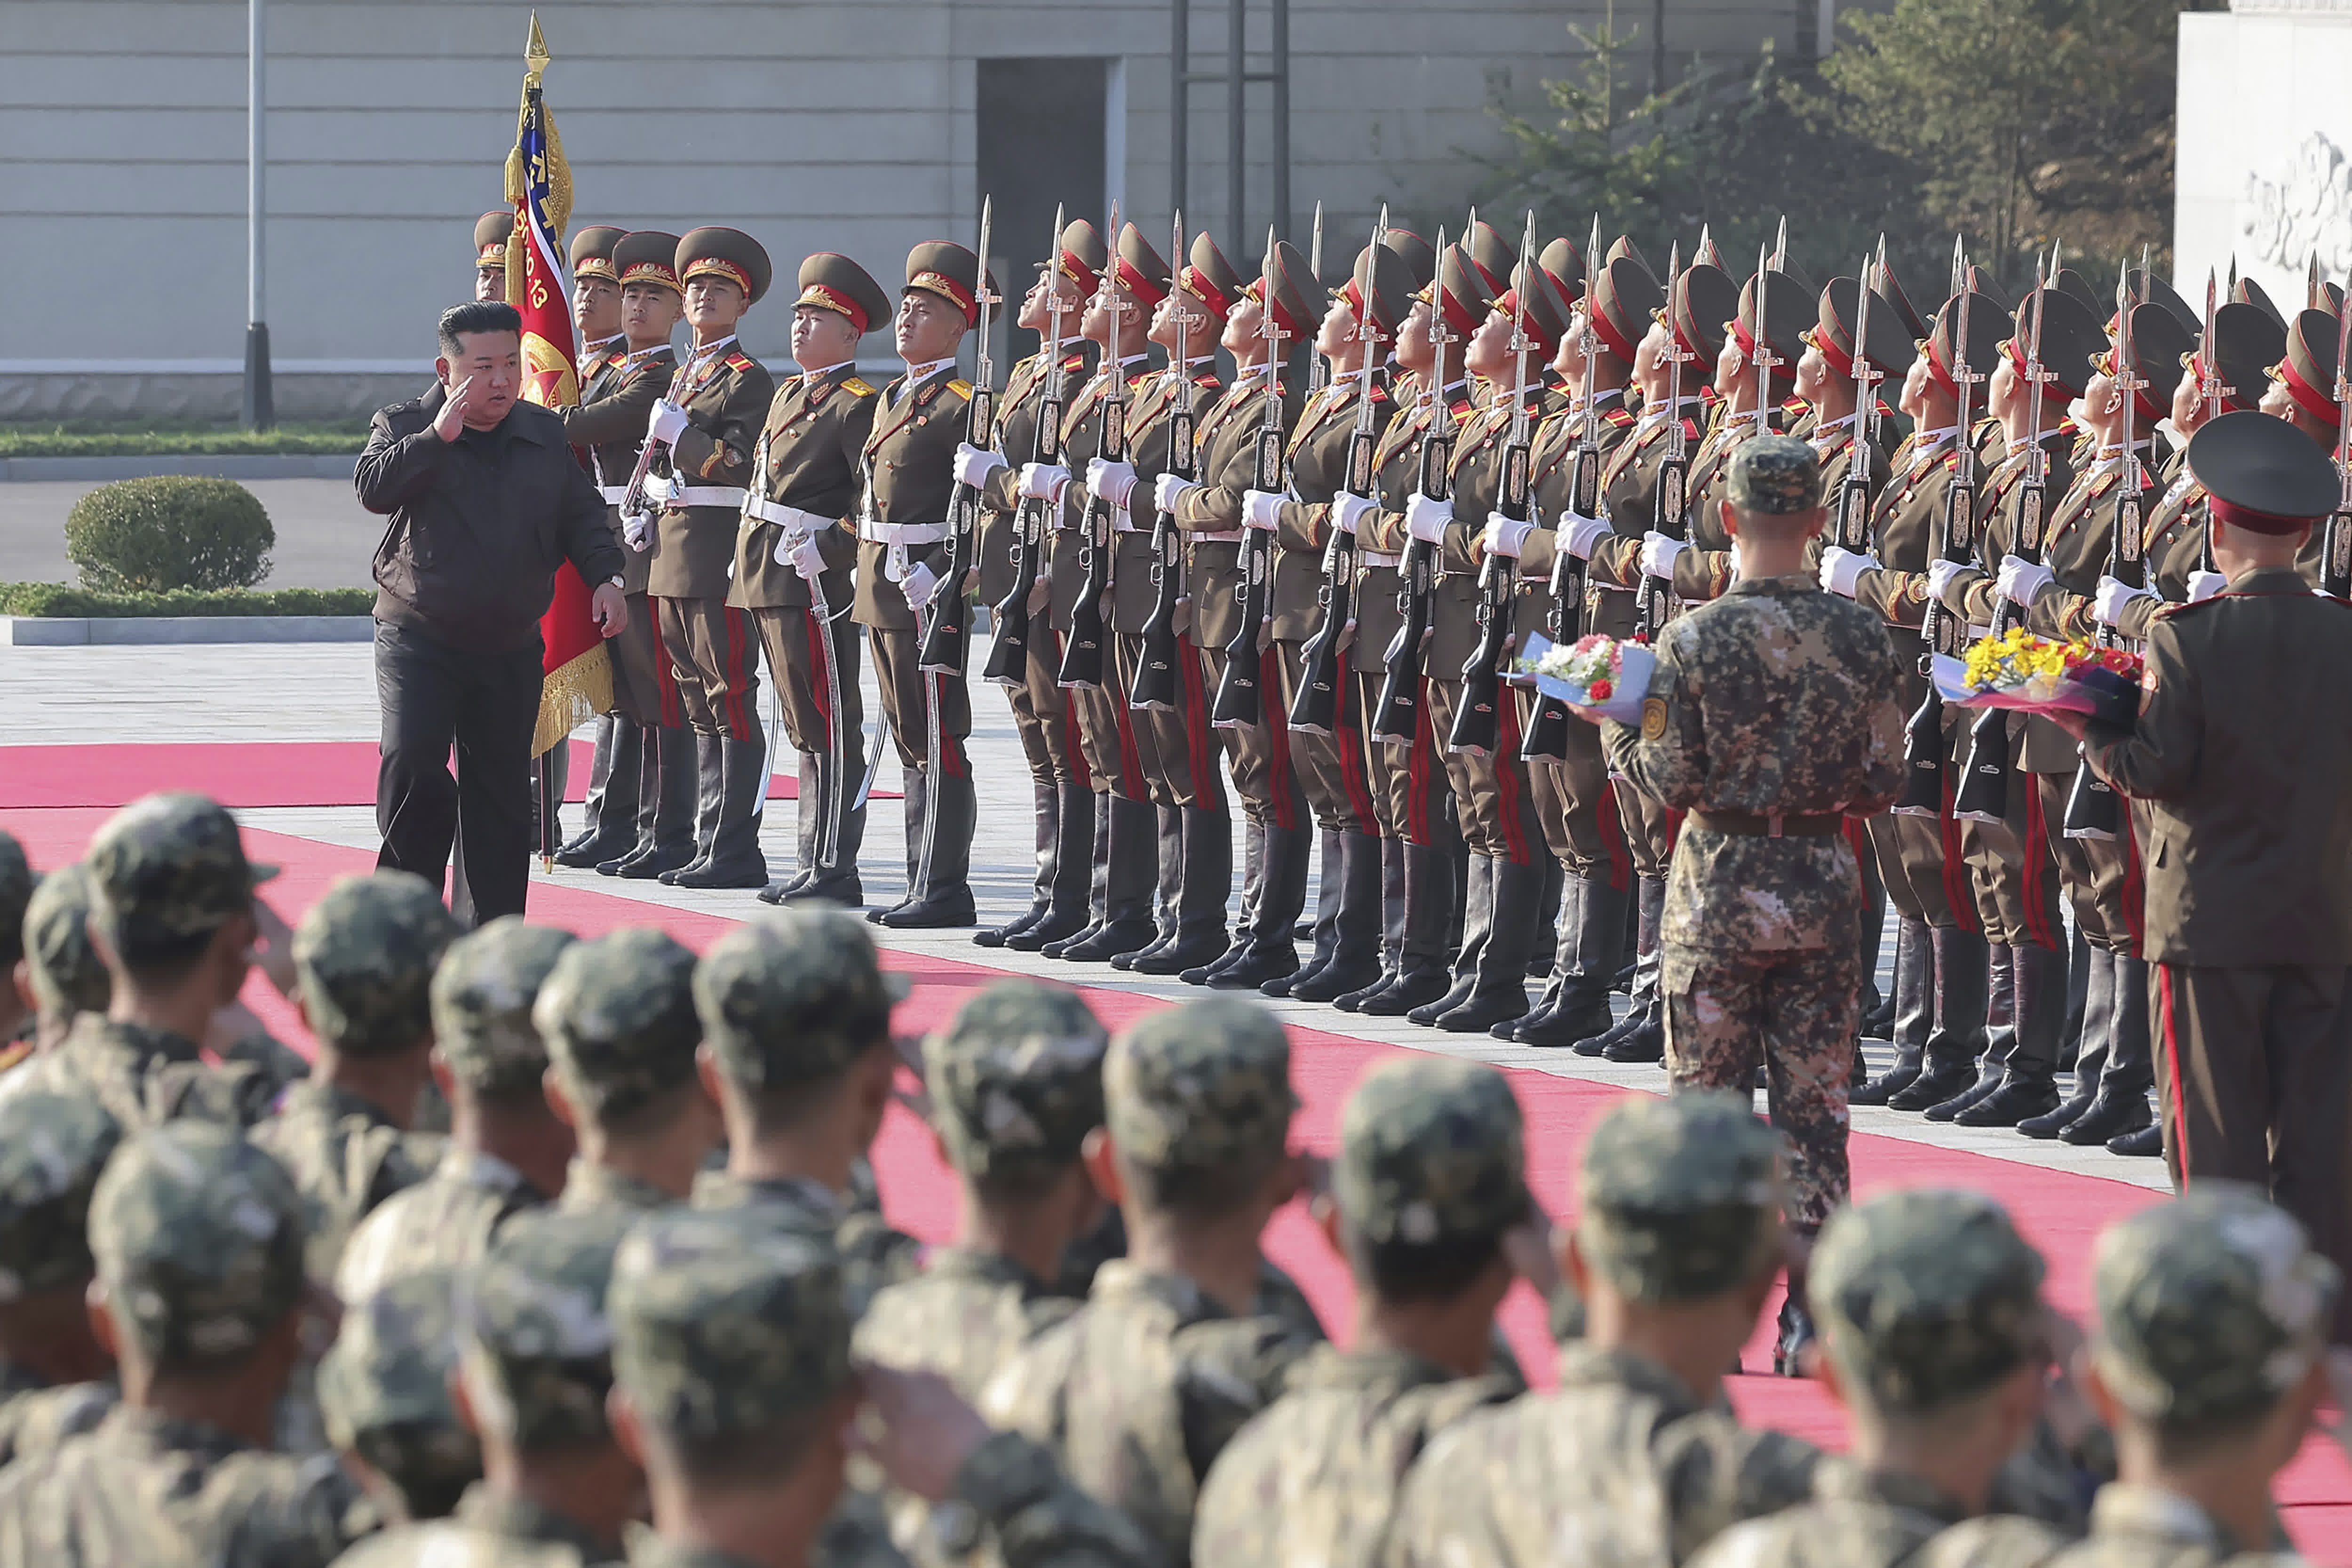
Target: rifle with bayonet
[
  {"x": 2092, "y": 809},
  {"x": 1674, "y": 470},
  {"x": 1854, "y": 497},
  {"x": 1082, "y": 655},
  {"x": 1546, "y": 740},
  {"x": 2336, "y": 543},
  {"x": 1239, "y": 702},
  {"x": 2212, "y": 391},
  {"x": 1016, "y": 628},
  {"x": 1767, "y": 362},
  {"x": 947, "y": 627},
  {"x": 1155, "y": 670},
  {"x": 1923, "y": 740},
  {"x": 1322, "y": 669},
  {"x": 1477, "y": 723},
  {"x": 1396, "y": 714}
]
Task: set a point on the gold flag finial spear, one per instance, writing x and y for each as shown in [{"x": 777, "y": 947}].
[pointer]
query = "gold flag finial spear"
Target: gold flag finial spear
[{"x": 534, "y": 54}]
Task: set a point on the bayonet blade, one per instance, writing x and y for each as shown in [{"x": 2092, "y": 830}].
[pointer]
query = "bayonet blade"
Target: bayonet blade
[
  {"x": 1780, "y": 242},
  {"x": 1315, "y": 255}
]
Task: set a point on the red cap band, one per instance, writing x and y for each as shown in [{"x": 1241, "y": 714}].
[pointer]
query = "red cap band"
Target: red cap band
[
  {"x": 1841, "y": 363},
  {"x": 712, "y": 265},
  {"x": 2254, "y": 522},
  {"x": 825, "y": 299},
  {"x": 940, "y": 283},
  {"x": 2307, "y": 398},
  {"x": 1610, "y": 338},
  {"x": 1132, "y": 279},
  {"x": 1078, "y": 272},
  {"x": 1195, "y": 282}
]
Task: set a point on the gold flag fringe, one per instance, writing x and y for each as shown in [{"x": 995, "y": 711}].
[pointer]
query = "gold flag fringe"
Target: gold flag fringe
[{"x": 574, "y": 693}]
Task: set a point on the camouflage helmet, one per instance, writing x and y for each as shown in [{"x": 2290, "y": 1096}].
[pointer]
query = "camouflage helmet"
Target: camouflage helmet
[
  {"x": 67, "y": 976},
  {"x": 1016, "y": 1079},
  {"x": 1431, "y": 1149},
  {"x": 1774, "y": 476},
  {"x": 724, "y": 1321},
  {"x": 364, "y": 959},
  {"x": 2210, "y": 1307},
  {"x": 482, "y": 997},
  {"x": 169, "y": 870},
  {"x": 617, "y": 1017},
  {"x": 1679, "y": 1196},
  {"x": 198, "y": 1238},
  {"x": 1927, "y": 1296},
  {"x": 17, "y": 881},
  {"x": 795, "y": 996},
  {"x": 52, "y": 1150},
  {"x": 1201, "y": 1086},
  {"x": 383, "y": 1388},
  {"x": 533, "y": 1330}
]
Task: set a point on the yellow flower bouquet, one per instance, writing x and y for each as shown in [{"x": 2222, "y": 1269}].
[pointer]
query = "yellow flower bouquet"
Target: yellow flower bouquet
[{"x": 2018, "y": 669}]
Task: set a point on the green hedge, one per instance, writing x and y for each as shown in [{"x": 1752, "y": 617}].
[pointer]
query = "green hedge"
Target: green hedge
[
  {"x": 104, "y": 439},
  {"x": 62, "y": 601},
  {"x": 168, "y": 532}
]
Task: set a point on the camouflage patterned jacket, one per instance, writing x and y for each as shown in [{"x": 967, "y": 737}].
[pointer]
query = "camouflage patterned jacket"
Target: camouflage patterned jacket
[
  {"x": 1619, "y": 1464},
  {"x": 1313, "y": 1479},
  {"x": 1874, "y": 1519},
  {"x": 966, "y": 1315},
  {"x": 143, "y": 1076},
  {"x": 37, "y": 1417},
  {"x": 489, "y": 1529},
  {"x": 588, "y": 1187},
  {"x": 346, "y": 1157},
  {"x": 873, "y": 1255},
  {"x": 443, "y": 1221},
  {"x": 2131, "y": 1526},
  {"x": 145, "y": 1489},
  {"x": 1140, "y": 1391},
  {"x": 1776, "y": 698}
]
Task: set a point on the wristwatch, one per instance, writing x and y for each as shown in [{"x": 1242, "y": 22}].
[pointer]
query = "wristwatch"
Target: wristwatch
[{"x": 617, "y": 581}]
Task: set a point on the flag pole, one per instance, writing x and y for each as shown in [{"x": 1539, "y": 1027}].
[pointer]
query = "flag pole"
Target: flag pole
[{"x": 259, "y": 410}]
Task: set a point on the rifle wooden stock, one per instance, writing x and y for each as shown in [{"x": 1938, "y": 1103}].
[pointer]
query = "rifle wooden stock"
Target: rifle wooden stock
[
  {"x": 1155, "y": 672},
  {"x": 947, "y": 628},
  {"x": 1477, "y": 722},
  {"x": 1082, "y": 655},
  {"x": 1396, "y": 715},
  {"x": 1239, "y": 702}
]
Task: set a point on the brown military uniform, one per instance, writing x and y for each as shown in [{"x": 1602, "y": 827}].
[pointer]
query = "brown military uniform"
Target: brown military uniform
[
  {"x": 1176, "y": 750},
  {"x": 712, "y": 663},
  {"x": 1106, "y": 731},
  {"x": 610, "y": 422}
]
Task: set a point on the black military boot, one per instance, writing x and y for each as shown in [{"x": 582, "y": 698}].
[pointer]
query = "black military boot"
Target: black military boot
[
  {"x": 1478, "y": 913},
  {"x": 1961, "y": 974},
  {"x": 1355, "y": 960},
  {"x": 943, "y": 888},
  {"x": 1591, "y": 930},
  {"x": 611, "y": 830},
  {"x": 1499, "y": 989},
  {"x": 1098, "y": 856},
  {"x": 2078, "y": 1000},
  {"x": 1391, "y": 928},
  {"x": 1237, "y": 941},
  {"x": 1547, "y": 916},
  {"x": 1169, "y": 891},
  {"x": 665, "y": 809},
  {"x": 1282, "y": 891},
  {"x": 2098, "y": 1027},
  {"x": 735, "y": 859},
  {"x": 1422, "y": 974},
  {"x": 710, "y": 797},
  {"x": 1914, "y": 1011},
  {"x": 1208, "y": 880},
  {"x": 1131, "y": 876},
  {"x": 2028, "y": 1084},
  {"x": 1045, "y": 800},
  {"x": 2147, "y": 1142},
  {"x": 2120, "y": 1107},
  {"x": 1642, "y": 1017},
  {"x": 1324, "y": 927},
  {"x": 1071, "y": 879}
]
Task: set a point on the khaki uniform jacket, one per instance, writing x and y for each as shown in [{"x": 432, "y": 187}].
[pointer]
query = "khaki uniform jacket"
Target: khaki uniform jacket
[
  {"x": 2082, "y": 535},
  {"x": 1629, "y": 482},
  {"x": 694, "y": 546},
  {"x": 815, "y": 433},
  {"x": 610, "y": 421},
  {"x": 2242, "y": 751},
  {"x": 1396, "y": 467},
  {"x": 1477, "y": 480},
  {"x": 909, "y": 478},
  {"x": 1081, "y": 444},
  {"x": 1226, "y": 468},
  {"x": 1316, "y": 464},
  {"x": 1554, "y": 456},
  {"x": 1018, "y": 408},
  {"x": 2036, "y": 744},
  {"x": 1150, "y": 430}
]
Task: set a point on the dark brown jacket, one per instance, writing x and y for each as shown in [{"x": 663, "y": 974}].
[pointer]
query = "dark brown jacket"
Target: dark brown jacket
[
  {"x": 816, "y": 431},
  {"x": 478, "y": 524},
  {"x": 610, "y": 422},
  {"x": 725, "y": 397}
]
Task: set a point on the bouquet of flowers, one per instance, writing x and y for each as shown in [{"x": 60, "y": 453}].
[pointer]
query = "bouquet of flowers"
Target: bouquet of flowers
[
  {"x": 2018, "y": 669},
  {"x": 1595, "y": 672}
]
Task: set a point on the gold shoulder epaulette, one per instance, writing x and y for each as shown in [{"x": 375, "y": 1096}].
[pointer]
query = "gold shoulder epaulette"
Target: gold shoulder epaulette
[
  {"x": 738, "y": 360},
  {"x": 857, "y": 385},
  {"x": 1619, "y": 416},
  {"x": 961, "y": 388}
]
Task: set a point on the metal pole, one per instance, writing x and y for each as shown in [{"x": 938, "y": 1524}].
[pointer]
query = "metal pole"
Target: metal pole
[
  {"x": 1657, "y": 46},
  {"x": 259, "y": 410},
  {"x": 1281, "y": 137},
  {"x": 1180, "y": 102},
  {"x": 1236, "y": 112}
]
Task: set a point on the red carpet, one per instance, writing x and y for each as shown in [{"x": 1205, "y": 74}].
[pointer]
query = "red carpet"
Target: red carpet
[
  {"x": 2059, "y": 1211},
  {"x": 235, "y": 773}
]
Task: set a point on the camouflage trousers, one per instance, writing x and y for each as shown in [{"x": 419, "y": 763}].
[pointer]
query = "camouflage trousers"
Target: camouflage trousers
[{"x": 1797, "y": 1011}]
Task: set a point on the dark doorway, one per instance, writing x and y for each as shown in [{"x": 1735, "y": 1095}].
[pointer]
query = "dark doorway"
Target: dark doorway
[{"x": 1040, "y": 142}]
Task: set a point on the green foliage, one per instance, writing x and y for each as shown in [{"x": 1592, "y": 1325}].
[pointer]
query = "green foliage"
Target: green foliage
[
  {"x": 175, "y": 530},
  {"x": 57, "y": 601},
  {"x": 108, "y": 438}
]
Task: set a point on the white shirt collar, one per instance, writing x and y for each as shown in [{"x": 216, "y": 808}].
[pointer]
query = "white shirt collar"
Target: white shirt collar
[
  {"x": 605, "y": 345},
  {"x": 1827, "y": 426},
  {"x": 706, "y": 350},
  {"x": 923, "y": 372}
]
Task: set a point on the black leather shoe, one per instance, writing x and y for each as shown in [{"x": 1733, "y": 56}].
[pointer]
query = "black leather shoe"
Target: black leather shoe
[
  {"x": 1279, "y": 986},
  {"x": 1336, "y": 980},
  {"x": 1056, "y": 926},
  {"x": 1883, "y": 1089},
  {"x": 1646, "y": 1043},
  {"x": 1110, "y": 938},
  {"x": 646, "y": 867},
  {"x": 2009, "y": 1104},
  {"x": 996, "y": 936},
  {"x": 1949, "y": 1110},
  {"x": 1481, "y": 1013},
  {"x": 1932, "y": 1088},
  {"x": 1158, "y": 944},
  {"x": 1428, "y": 1013},
  {"x": 1878, "y": 1024},
  {"x": 1796, "y": 1333},
  {"x": 1349, "y": 1001},
  {"x": 2051, "y": 1123},
  {"x": 1565, "y": 1025},
  {"x": 589, "y": 850},
  {"x": 1410, "y": 989},
  {"x": 2110, "y": 1116},
  {"x": 1061, "y": 944},
  {"x": 2148, "y": 1143},
  {"x": 1254, "y": 968},
  {"x": 938, "y": 912}
]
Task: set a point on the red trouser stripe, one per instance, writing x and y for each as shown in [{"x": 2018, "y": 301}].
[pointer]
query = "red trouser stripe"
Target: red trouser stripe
[
  {"x": 818, "y": 653},
  {"x": 2164, "y": 1004},
  {"x": 1613, "y": 837},
  {"x": 739, "y": 641},
  {"x": 1508, "y": 799},
  {"x": 1080, "y": 774},
  {"x": 1348, "y": 738},
  {"x": 2039, "y": 867},
  {"x": 1959, "y": 890},
  {"x": 1280, "y": 787},
  {"x": 1199, "y": 748}
]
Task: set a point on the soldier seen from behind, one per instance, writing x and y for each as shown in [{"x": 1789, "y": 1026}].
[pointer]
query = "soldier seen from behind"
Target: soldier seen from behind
[
  {"x": 56, "y": 1377},
  {"x": 384, "y": 1391},
  {"x": 59, "y": 974}
]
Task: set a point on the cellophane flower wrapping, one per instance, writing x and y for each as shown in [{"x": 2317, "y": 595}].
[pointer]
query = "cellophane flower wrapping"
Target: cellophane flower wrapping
[
  {"x": 2036, "y": 674},
  {"x": 1601, "y": 673}
]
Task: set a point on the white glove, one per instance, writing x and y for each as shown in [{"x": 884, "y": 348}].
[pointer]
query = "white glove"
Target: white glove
[
  {"x": 1505, "y": 537},
  {"x": 637, "y": 532},
  {"x": 665, "y": 423},
  {"x": 2107, "y": 603},
  {"x": 1577, "y": 535},
  {"x": 1261, "y": 510},
  {"x": 1113, "y": 481},
  {"x": 2020, "y": 581},
  {"x": 2204, "y": 585},
  {"x": 974, "y": 464},
  {"x": 1426, "y": 519},
  {"x": 1658, "y": 554},
  {"x": 1940, "y": 573},
  {"x": 1044, "y": 481},
  {"x": 1843, "y": 568},
  {"x": 921, "y": 584},
  {"x": 1348, "y": 513},
  {"x": 801, "y": 555},
  {"x": 1168, "y": 490}
]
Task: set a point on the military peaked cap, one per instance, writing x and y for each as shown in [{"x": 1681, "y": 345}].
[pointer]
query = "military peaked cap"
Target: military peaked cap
[
  {"x": 729, "y": 253},
  {"x": 834, "y": 282},
  {"x": 648, "y": 255},
  {"x": 592, "y": 251},
  {"x": 949, "y": 270},
  {"x": 2262, "y": 474}
]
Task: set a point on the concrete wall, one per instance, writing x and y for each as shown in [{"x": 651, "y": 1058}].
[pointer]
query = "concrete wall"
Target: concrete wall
[
  {"x": 2265, "y": 145},
  {"x": 813, "y": 125}
]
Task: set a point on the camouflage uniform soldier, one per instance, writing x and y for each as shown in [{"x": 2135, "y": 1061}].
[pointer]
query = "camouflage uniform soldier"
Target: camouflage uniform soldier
[
  {"x": 1634, "y": 1459},
  {"x": 173, "y": 916},
  {"x": 1430, "y": 1177},
  {"x": 384, "y": 1388},
  {"x": 1015, "y": 1085},
  {"x": 1771, "y": 717},
  {"x": 507, "y": 1151},
  {"x": 198, "y": 1241},
  {"x": 1937, "y": 1345},
  {"x": 618, "y": 1018},
  {"x": 730, "y": 1358},
  {"x": 534, "y": 1353},
  {"x": 54, "y": 1375},
  {"x": 1142, "y": 1389},
  {"x": 363, "y": 958},
  {"x": 61, "y": 967},
  {"x": 18, "y": 1010},
  {"x": 796, "y": 1020}
]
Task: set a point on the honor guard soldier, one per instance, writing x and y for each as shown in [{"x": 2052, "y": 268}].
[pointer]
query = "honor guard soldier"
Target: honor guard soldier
[
  {"x": 1410, "y": 791},
  {"x": 709, "y": 421},
  {"x": 641, "y": 805},
  {"x": 1919, "y": 857},
  {"x": 1575, "y": 798},
  {"x": 2239, "y": 752},
  {"x": 902, "y": 528},
  {"x": 490, "y": 232},
  {"x": 1209, "y": 509},
  {"x": 793, "y": 566},
  {"x": 1173, "y": 744},
  {"x": 1015, "y": 539},
  {"x": 2302, "y": 391},
  {"x": 1126, "y": 827},
  {"x": 1358, "y": 327}
]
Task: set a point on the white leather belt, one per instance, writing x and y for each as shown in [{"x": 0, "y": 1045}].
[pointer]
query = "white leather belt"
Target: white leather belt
[
  {"x": 729, "y": 496},
  {"x": 791, "y": 518},
  {"x": 614, "y": 494},
  {"x": 1381, "y": 557},
  {"x": 901, "y": 532},
  {"x": 1229, "y": 536},
  {"x": 1123, "y": 522},
  {"x": 1609, "y": 587}
]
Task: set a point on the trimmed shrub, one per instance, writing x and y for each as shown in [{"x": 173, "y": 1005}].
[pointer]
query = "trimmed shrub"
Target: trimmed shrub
[
  {"x": 175, "y": 530},
  {"x": 63, "y": 601}
]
